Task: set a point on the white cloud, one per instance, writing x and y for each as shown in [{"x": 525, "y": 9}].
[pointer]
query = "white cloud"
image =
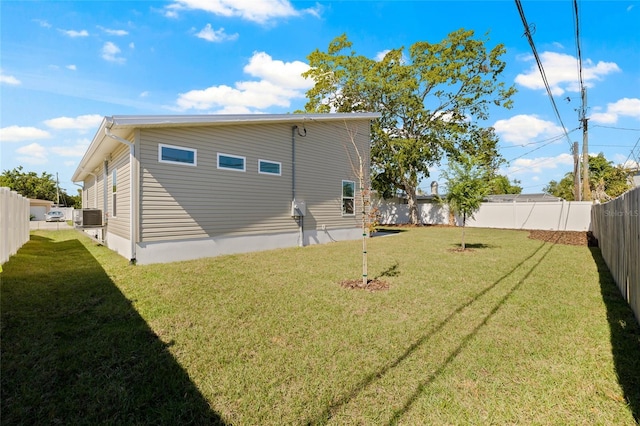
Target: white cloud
[
  {"x": 285, "y": 74},
  {"x": 539, "y": 164},
  {"x": 71, "y": 67},
  {"x": 74, "y": 33},
  {"x": 110, "y": 53},
  {"x": 560, "y": 70},
  {"x": 255, "y": 11},
  {"x": 209, "y": 34},
  {"x": 624, "y": 107},
  {"x": 81, "y": 122},
  {"x": 112, "y": 32},
  {"x": 278, "y": 83},
  {"x": 32, "y": 154},
  {"x": 380, "y": 55},
  {"x": 522, "y": 129},
  {"x": 19, "y": 134},
  {"x": 132, "y": 45},
  {"x": 42, "y": 23},
  {"x": 9, "y": 79},
  {"x": 235, "y": 110},
  {"x": 76, "y": 150},
  {"x": 144, "y": 94}
]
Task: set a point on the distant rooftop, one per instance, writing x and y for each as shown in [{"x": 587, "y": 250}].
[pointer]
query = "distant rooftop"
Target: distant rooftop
[{"x": 520, "y": 198}]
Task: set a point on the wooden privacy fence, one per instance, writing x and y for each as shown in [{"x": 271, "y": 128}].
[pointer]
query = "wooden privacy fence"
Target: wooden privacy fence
[
  {"x": 14, "y": 223},
  {"x": 616, "y": 225}
]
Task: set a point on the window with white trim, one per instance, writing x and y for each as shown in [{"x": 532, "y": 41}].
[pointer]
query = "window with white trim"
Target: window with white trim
[
  {"x": 114, "y": 191},
  {"x": 231, "y": 162},
  {"x": 269, "y": 167},
  {"x": 177, "y": 155},
  {"x": 348, "y": 197}
]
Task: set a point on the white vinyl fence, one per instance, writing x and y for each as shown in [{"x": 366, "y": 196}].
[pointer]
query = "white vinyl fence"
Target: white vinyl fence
[
  {"x": 14, "y": 223},
  {"x": 616, "y": 225},
  {"x": 544, "y": 215}
]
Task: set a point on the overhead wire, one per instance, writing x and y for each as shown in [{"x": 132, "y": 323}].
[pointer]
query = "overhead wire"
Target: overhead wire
[{"x": 527, "y": 33}]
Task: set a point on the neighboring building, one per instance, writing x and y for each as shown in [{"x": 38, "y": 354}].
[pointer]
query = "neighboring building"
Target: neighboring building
[
  {"x": 521, "y": 198},
  {"x": 183, "y": 187},
  {"x": 38, "y": 208}
]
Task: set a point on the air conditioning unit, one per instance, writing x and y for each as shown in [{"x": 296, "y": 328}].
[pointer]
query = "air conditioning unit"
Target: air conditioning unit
[{"x": 87, "y": 217}]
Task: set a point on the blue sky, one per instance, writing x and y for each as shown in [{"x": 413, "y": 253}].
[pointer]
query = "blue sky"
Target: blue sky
[{"x": 66, "y": 64}]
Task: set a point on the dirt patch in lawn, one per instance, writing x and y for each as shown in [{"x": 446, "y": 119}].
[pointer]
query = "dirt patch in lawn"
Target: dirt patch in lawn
[
  {"x": 372, "y": 285},
  {"x": 573, "y": 238}
]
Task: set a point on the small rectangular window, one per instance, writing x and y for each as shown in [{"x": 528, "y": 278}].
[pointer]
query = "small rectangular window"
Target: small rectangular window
[
  {"x": 114, "y": 191},
  {"x": 348, "y": 197},
  {"x": 269, "y": 167},
  {"x": 231, "y": 162},
  {"x": 177, "y": 155}
]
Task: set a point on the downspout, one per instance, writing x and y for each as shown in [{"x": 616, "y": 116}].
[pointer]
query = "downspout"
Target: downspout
[
  {"x": 131, "y": 145},
  {"x": 299, "y": 219},
  {"x": 105, "y": 195}
]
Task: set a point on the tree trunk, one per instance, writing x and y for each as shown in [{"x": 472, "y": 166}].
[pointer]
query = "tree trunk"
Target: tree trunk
[
  {"x": 464, "y": 221},
  {"x": 412, "y": 201}
]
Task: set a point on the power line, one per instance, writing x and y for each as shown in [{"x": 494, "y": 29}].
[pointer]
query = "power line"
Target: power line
[
  {"x": 548, "y": 142},
  {"x": 616, "y": 128},
  {"x": 632, "y": 153},
  {"x": 527, "y": 33},
  {"x": 553, "y": 138}
]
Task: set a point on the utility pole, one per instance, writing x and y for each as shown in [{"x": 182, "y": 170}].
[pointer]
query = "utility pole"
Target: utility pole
[
  {"x": 577, "y": 193},
  {"x": 586, "y": 191},
  {"x": 57, "y": 191}
]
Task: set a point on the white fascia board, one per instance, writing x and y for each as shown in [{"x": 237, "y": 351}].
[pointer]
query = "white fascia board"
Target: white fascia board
[{"x": 142, "y": 121}]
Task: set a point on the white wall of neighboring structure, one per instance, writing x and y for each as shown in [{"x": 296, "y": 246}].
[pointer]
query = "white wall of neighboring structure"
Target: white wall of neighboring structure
[{"x": 390, "y": 212}]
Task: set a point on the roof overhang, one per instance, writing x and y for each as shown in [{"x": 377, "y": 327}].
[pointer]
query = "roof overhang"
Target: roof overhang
[{"x": 123, "y": 127}]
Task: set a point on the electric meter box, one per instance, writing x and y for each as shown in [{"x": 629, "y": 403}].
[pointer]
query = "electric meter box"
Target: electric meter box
[{"x": 298, "y": 208}]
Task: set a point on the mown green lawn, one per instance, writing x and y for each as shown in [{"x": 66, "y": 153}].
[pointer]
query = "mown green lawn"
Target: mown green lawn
[{"x": 516, "y": 331}]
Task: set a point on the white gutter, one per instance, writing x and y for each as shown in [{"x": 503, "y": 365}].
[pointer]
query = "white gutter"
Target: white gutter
[{"x": 131, "y": 145}]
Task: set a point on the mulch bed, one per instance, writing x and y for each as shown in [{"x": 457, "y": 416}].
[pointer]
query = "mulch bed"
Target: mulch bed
[
  {"x": 372, "y": 284},
  {"x": 573, "y": 238}
]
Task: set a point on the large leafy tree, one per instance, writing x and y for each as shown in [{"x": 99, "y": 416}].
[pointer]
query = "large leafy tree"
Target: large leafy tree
[
  {"x": 500, "y": 184},
  {"x": 468, "y": 183},
  {"x": 431, "y": 98},
  {"x": 606, "y": 181},
  {"x": 42, "y": 187}
]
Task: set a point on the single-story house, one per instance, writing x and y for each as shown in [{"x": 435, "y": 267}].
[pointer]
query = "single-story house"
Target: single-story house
[
  {"x": 38, "y": 208},
  {"x": 182, "y": 187}
]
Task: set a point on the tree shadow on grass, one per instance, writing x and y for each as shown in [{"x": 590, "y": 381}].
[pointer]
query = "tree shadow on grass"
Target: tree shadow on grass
[
  {"x": 369, "y": 379},
  {"x": 625, "y": 335},
  {"x": 75, "y": 351},
  {"x": 474, "y": 246}
]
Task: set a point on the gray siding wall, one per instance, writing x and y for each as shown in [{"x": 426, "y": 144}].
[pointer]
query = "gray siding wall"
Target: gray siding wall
[
  {"x": 93, "y": 186},
  {"x": 182, "y": 201},
  {"x": 326, "y": 157},
  {"x": 119, "y": 224},
  {"x": 90, "y": 188}
]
